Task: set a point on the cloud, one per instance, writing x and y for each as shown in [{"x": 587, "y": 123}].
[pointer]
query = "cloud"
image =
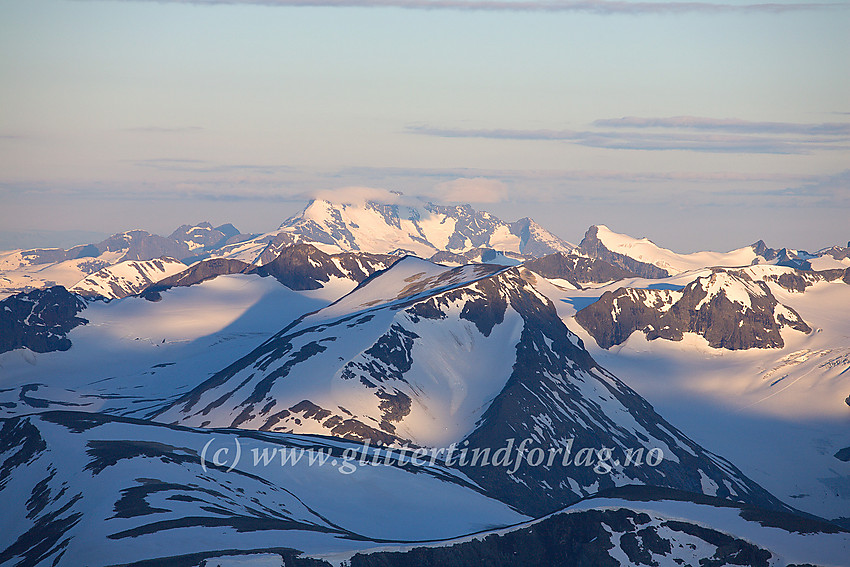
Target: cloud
[
  {"x": 679, "y": 133},
  {"x": 472, "y": 190},
  {"x": 829, "y": 190},
  {"x": 544, "y": 190},
  {"x": 602, "y": 7},
  {"x": 203, "y": 166},
  {"x": 498, "y": 133},
  {"x": 728, "y": 125},
  {"x": 163, "y": 130},
  {"x": 357, "y": 195}
]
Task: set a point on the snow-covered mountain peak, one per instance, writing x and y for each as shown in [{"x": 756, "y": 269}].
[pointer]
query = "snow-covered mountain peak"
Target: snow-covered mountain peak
[
  {"x": 423, "y": 230},
  {"x": 407, "y": 278},
  {"x": 127, "y": 278},
  {"x": 203, "y": 235},
  {"x": 644, "y": 257},
  {"x": 737, "y": 288}
]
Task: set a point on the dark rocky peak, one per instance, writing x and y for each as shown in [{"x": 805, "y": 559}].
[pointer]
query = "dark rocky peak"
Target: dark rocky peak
[
  {"x": 486, "y": 255},
  {"x": 142, "y": 245},
  {"x": 39, "y": 320},
  {"x": 837, "y": 252},
  {"x": 298, "y": 266},
  {"x": 281, "y": 240},
  {"x": 761, "y": 249},
  {"x": 783, "y": 256},
  {"x": 727, "y": 307},
  {"x": 195, "y": 274},
  {"x": 203, "y": 235},
  {"x": 228, "y": 230},
  {"x": 577, "y": 269},
  {"x": 557, "y": 392},
  {"x": 592, "y": 246},
  {"x": 445, "y": 257},
  {"x": 303, "y": 266}
]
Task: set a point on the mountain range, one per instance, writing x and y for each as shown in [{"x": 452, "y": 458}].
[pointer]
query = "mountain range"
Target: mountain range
[{"x": 370, "y": 331}]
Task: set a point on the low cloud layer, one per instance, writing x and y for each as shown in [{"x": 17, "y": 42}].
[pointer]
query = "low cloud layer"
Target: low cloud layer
[
  {"x": 602, "y": 7},
  {"x": 164, "y": 130},
  {"x": 686, "y": 133},
  {"x": 354, "y": 195},
  {"x": 472, "y": 190},
  {"x": 728, "y": 125}
]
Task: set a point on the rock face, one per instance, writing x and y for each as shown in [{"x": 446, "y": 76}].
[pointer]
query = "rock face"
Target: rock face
[
  {"x": 727, "y": 307},
  {"x": 197, "y": 273},
  {"x": 449, "y": 258},
  {"x": 577, "y": 269},
  {"x": 783, "y": 256},
  {"x": 474, "y": 356},
  {"x": 39, "y": 320},
  {"x": 836, "y": 252},
  {"x": 592, "y": 246},
  {"x": 303, "y": 266},
  {"x": 585, "y": 538},
  {"x": 187, "y": 242},
  {"x": 620, "y": 531},
  {"x": 298, "y": 267},
  {"x": 536, "y": 241},
  {"x": 203, "y": 236}
]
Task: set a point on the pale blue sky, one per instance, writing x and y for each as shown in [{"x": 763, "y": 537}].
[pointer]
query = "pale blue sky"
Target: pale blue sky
[{"x": 119, "y": 114}]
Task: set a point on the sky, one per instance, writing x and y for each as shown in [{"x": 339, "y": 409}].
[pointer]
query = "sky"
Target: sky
[{"x": 701, "y": 125}]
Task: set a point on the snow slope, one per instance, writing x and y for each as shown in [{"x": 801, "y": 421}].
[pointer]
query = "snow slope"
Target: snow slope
[
  {"x": 432, "y": 356},
  {"x": 135, "y": 355},
  {"x": 436, "y": 401},
  {"x": 91, "y": 489},
  {"x": 646, "y": 251},
  {"x": 26, "y": 276},
  {"x": 127, "y": 278},
  {"x": 23, "y": 270},
  {"x": 779, "y": 414},
  {"x": 638, "y": 528}
]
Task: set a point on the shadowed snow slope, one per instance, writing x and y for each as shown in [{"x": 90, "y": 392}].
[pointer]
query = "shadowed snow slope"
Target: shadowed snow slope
[
  {"x": 90, "y": 489},
  {"x": 778, "y": 413},
  {"x": 429, "y": 355}
]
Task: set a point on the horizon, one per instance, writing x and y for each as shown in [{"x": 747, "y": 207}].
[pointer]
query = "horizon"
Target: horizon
[{"x": 68, "y": 239}]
